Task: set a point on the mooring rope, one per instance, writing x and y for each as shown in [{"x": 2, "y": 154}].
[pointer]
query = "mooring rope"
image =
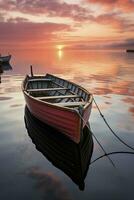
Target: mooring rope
[
  {"x": 111, "y": 153},
  {"x": 105, "y": 153},
  {"x": 130, "y": 147}
]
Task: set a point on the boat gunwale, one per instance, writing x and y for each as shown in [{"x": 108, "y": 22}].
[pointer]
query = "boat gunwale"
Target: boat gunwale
[
  {"x": 58, "y": 106},
  {"x": 8, "y": 57},
  {"x": 5, "y": 56}
]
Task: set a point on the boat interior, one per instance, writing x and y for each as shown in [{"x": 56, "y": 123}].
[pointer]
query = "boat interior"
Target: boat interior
[{"x": 57, "y": 91}]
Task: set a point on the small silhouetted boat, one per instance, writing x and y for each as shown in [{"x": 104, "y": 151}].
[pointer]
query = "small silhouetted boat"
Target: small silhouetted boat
[
  {"x": 5, "y": 59},
  {"x": 73, "y": 159},
  {"x": 60, "y": 103},
  {"x": 130, "y": 50}
]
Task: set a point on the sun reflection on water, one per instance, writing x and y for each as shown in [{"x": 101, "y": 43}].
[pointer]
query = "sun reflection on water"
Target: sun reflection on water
[{"x": 60, "y": 54}]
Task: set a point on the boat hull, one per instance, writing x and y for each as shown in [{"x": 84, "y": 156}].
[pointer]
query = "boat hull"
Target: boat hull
[
  {"x": 68, "y": 122},
  {"x": 5, "y": 59}
]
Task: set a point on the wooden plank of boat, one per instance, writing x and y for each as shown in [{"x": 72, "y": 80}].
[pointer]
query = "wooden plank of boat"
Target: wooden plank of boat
[
  {"x": 58, "y": 97},
  {"x": 46, "y": 89},
  {"x": 39, "y": 79},
  {"x": 70, "y": 104}
]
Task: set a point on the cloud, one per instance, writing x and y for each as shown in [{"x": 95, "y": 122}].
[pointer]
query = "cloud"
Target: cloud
[
  {"x": 22, "y": 31},
  {"x": 102, "y": 44},
  {"x": 128, "y": 43},
  {"x": 55, "y": 8},
  {"x": 113, "y": 20},
  {"x": 49, "y": 185},
  {"x": 2, "y": 16},
  {"x": 122, "y": 5},
  {"x": 17, "y": 20},
  {"x": 50, "y": 8}
]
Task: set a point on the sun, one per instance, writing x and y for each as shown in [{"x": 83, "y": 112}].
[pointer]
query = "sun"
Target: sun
[{"x": 60, "y": 47}]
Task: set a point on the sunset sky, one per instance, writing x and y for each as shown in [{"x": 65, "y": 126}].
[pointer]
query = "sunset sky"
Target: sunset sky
[{"x": 72, "y": 24}]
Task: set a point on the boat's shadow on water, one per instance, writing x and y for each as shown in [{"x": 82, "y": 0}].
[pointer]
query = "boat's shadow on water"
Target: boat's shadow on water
[{"x": 73, "y": 159}]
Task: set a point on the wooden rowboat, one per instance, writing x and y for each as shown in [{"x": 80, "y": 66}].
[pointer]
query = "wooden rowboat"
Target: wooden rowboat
[
  {"x": 73, "y": 159},
  {"x": 5, "y": 59},
  {"x": 59, "y": 103}
]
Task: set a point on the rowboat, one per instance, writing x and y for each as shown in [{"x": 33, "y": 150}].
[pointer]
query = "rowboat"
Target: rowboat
[
  {"x": 5, "y": 59},
  {"x": 71, "y": 158},
  {"x": 60, "y": 103}
]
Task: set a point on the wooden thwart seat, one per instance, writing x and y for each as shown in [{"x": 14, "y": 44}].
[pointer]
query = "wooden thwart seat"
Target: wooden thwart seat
[
  {"x": 39, "y": 79},
  {"x": 58, "y": 97},
  {"x": 46, "y": 89},
  {"x": 70, "y": 104}
]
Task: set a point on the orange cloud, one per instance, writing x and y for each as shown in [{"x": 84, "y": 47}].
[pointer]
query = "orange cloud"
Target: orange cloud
[
  {"x": 101, "y": 43},
  {"x": 76, "y": 24},
  {"x": 123, "y": 5},
  {"x": 20, "y": 32},
  {"x": 113, "y": 20},
  {"x": 47, "y": 7}
]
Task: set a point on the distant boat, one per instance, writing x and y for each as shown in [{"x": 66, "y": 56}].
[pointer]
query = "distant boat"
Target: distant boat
[
  {"x": 73, "y": 159},
  {"x": 59, "y": 103},
  {"x": 5, "y": 59},
  {"x": 130, "y": 50}
]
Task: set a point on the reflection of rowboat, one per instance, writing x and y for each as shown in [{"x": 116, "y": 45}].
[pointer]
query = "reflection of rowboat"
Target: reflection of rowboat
[
  {"x": 73, "y": 159},
  {"x": 4, "y": 67},
  {"x": 5, "y": 59},
  {"x": 59, "y": 103}
]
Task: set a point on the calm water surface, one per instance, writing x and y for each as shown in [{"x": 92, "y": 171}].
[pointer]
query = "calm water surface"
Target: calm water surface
[{"x": 25, "y": 173}]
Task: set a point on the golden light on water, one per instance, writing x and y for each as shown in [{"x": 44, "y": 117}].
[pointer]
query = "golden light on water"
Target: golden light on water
[
  {"x": 60, "y": 54},
  {"x": 60, "y": 47}
]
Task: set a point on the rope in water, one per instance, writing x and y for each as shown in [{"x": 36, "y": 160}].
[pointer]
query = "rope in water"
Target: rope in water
[
  {"x": 111, "y": 153},
  {"x": 105, "y": 153},
  {"x": 123, "y": 142}
]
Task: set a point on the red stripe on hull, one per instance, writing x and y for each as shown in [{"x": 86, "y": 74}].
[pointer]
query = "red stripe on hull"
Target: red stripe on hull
[{"x": 64, "y": 120}]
